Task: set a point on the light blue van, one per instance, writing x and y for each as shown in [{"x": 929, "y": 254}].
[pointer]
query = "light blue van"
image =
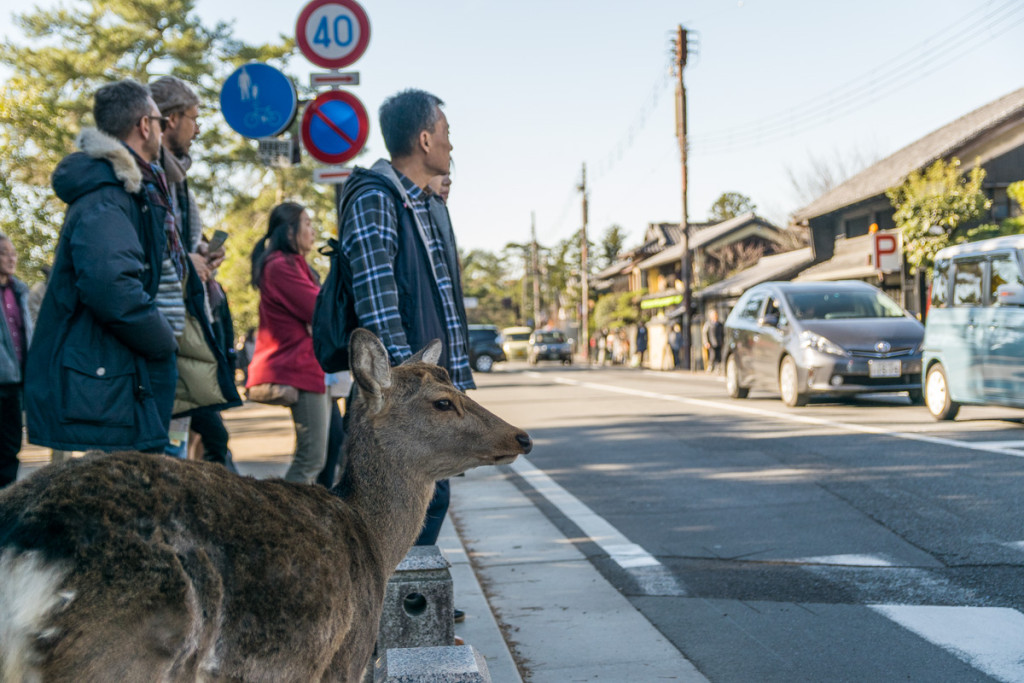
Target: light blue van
[{"x": 974, "y": 332}]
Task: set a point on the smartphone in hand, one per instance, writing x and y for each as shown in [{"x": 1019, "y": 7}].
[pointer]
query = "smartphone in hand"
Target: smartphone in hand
[{"x": 217, "y": 241}]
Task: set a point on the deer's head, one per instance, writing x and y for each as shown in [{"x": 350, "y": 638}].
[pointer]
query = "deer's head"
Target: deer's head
[{"x": 415, "y": 409}]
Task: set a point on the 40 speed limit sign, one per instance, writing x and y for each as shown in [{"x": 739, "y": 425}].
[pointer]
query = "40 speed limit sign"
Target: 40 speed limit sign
[{"x": 332, "y": 33}]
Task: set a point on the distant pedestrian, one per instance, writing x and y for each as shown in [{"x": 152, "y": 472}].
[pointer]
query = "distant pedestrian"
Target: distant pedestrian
[
  {"x": 675, "y": 343},
  {"x": 713, "y": 337},
  {"x": 284, "y": 345},
  {"x": 15, "y": 335},
  {"x": 641, "y": 342}
]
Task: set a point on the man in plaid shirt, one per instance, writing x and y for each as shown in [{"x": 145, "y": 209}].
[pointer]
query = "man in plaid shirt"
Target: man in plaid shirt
[{"x": 398, "y": 239}]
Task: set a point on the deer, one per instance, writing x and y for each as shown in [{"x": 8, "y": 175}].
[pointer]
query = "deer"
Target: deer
[{"x": 142, "y": 567}]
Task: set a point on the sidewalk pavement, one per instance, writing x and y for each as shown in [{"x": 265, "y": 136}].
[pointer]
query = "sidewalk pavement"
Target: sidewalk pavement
[{"x": 536, "y": 608}]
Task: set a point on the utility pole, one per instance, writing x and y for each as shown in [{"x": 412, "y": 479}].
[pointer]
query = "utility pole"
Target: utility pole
[
  {"x": 686, "y": 262},
  {"x": 536, "y": 270},
  {"x": 584, "y": 274}
]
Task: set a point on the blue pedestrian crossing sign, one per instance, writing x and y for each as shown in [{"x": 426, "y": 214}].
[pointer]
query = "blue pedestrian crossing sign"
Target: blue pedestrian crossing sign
[{"x": 258, "y": 101}]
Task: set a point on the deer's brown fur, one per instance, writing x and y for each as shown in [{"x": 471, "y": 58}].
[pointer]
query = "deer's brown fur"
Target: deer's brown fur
[{"x": 132, "y": 567}]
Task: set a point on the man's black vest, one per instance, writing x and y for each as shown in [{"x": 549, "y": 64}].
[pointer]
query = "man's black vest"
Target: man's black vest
[{"x": 419, "y": 300}]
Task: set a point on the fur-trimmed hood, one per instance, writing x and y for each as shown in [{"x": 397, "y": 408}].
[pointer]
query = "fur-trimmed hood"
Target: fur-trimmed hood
[{"x": 102, "y": 161}]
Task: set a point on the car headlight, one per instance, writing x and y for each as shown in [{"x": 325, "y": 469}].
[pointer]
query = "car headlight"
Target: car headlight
[{"x": 812, "y": 340}]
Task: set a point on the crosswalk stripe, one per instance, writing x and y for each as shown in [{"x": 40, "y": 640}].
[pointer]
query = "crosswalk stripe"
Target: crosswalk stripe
[
  {"x": 652, "y": 577},
  {"x": 991, "y": 639}
]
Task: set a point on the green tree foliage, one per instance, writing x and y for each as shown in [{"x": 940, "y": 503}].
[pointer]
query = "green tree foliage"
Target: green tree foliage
[
  {"x": 1009, "y": 226},
  {"x": 613, "y": 241},
  {"x": 486, "y": 278},
  {"x": 616, "y": 310},
  {"x": 730, "y": 205},
  {"x": 936, "y": 208},
  {"x": 67, "y": 54}
]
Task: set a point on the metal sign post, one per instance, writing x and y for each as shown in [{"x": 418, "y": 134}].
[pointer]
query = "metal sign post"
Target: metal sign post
[{"x": 333, "y": 34}]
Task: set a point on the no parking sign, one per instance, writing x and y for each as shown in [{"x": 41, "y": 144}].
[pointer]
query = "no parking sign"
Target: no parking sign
[{"x": 335, "y": 127}]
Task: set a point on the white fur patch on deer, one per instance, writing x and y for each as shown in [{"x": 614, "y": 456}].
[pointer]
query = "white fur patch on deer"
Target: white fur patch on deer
[{"x": 134, "y": 566}]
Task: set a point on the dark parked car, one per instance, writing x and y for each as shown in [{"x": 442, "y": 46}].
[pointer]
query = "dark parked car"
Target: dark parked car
[
  {"x": 549, "y": 345},
  {"x": 484, "y": 347},
  {"x": 805, "y": 338}
]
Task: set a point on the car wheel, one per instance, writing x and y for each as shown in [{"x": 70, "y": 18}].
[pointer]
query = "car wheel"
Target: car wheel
[
  {"x": 789, "y": 384},
  {"x": 732, "y": 379},
  {"x": 936, "y": 394},
  {"x": 916, "y": 397},
  {"x": 484, "y": 363}
]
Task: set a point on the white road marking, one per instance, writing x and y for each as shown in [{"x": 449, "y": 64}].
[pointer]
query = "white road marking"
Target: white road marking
[
  {"x": 1016, "y": 545},
  {"x": 987, "y": 447},
  {"x": 654, "y": 579},
  {"x": 1017, "y": 445},
  {"x": 991, "y": 639}
]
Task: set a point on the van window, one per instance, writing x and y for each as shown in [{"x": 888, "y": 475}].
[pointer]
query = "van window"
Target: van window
[
  {"x": 1004, "y": 272},
  {"x": 940, "y": 285},
  {"x": 967, "y": 283}
]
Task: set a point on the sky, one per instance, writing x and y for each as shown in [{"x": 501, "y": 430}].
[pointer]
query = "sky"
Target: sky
[{"x": 535, "y": 89}]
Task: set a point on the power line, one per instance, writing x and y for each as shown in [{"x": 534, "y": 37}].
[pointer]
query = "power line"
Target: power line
[
  {"x": 867, "y": 80},
  {"x": 853, "y": 99}
]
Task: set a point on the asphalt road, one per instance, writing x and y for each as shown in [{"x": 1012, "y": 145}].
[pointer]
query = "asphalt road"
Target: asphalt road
[{"x": 841, "y": 541}]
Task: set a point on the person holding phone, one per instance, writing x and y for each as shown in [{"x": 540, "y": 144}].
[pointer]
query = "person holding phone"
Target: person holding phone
[{"x": 179, "y": 105}]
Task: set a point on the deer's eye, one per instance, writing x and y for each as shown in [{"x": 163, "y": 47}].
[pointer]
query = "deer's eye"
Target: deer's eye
[{"x": 444, "y": 404}]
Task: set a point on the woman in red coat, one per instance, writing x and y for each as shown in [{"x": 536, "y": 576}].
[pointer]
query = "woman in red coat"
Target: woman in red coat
[{"x": 284, "y": 346}]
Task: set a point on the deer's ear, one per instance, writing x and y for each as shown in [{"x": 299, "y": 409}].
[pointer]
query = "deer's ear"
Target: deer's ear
[
  {"x": 368, "y": 362},
  {"x": 430, "y": 353}
]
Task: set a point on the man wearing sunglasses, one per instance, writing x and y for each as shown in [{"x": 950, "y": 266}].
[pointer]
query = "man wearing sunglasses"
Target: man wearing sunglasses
[
  {"x": 101, "y": 370},
  {"x": 207, "y": 378}
]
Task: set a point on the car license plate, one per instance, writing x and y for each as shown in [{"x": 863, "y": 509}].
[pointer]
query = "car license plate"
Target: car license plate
[{"x": 884, "y": 368}]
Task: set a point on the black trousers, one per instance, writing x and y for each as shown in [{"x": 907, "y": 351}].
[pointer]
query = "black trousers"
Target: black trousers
[
  {"x": 10, "y": 432},
  {"x": 330, "y": 474},
  {"x": 209, "y": 425},
  {"x": 436, "y": 511}
]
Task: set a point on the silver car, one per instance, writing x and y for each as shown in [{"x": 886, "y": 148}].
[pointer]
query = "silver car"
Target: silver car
[{"x": 805, "y": 338}]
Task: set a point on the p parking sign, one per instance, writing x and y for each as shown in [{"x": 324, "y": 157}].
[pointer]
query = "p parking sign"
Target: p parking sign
[{"x": 332, "y": 33}]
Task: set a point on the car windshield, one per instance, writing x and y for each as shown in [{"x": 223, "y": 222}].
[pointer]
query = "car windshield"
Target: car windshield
[
  {"x": 517, "y": 336},
  {"x": 549, "y": 338},
  {"x": 819, "y": 305}
]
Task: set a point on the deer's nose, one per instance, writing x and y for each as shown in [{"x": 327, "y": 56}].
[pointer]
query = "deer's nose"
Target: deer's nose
[{"x": 525, "y": 442}]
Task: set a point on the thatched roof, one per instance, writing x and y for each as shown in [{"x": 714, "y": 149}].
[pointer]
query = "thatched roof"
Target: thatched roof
[{"x": 942, "y": 143}]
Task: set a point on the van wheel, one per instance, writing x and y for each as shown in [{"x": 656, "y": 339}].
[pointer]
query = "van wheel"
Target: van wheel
[
  {"x": 732, "y": 379},
  {"x": 484, "y": 363},
  {"x": 936, "y": 394},
  {"x": 789, "y": 384}
]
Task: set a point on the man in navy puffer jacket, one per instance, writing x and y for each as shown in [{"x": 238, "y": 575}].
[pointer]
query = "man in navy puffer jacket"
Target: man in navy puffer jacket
[{"x": 101, "y": 370}]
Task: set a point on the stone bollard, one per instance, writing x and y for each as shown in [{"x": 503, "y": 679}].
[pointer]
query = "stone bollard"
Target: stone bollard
[
  {"x": 418, "y": 602},
  {"x": 455, "y": 664}
]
